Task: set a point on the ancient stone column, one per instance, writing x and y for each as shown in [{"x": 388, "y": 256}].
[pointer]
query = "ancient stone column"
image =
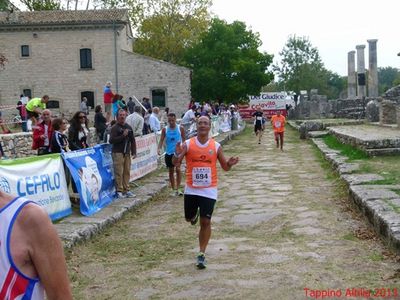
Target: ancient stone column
[
  {"x": 361, "y": 89},
  {"x": 351, "y": 75},
  {"x": 372, "y": 69}
]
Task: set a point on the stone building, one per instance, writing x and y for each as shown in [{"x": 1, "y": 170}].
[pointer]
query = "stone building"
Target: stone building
[{"x": 71, "y": 54}]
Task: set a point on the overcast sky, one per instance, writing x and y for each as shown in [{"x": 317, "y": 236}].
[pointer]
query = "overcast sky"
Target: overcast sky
[{"x": 334, "y": 27}]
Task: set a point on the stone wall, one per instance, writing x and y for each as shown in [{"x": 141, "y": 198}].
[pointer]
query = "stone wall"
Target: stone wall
[
  {"x": 17, "y": 145},
  {"x": 318, "y": 106},
  {"x": 393, "y": 94}
]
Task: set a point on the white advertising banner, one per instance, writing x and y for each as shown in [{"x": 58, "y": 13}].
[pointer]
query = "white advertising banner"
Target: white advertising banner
[
  {"x": 40, "y": 179},
  {"x": 146, "y": 156},
  {"x": 268, "y": 101}
]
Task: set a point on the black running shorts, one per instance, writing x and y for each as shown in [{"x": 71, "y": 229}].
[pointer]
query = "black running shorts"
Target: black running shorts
[
  {"x": 258, "y": 128},
  {"x": 193, "y": 202},
  {"x": 168, "y": 160}
]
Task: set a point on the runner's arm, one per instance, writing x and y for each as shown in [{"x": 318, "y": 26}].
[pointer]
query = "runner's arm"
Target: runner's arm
[
  {"x": 226, "y": 165},
  {"x": 180, "y": 152},
  {"x": 161, "y": 142},
  {"x": 182, "y": 133},
  {"x": 46, "y": 252}
]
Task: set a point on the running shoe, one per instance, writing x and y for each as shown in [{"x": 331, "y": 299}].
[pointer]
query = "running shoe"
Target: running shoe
[
  {"x": 201, "y": 261},
  {"x": 129, "y": 194},
  {"x": 195, "y": 218},
  {"x": 120, "y": 195},
  {"x": 180, "y": 192}
]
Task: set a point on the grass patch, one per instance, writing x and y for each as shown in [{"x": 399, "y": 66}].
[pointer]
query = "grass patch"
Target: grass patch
[
  {"x": 386, "y": 166},
  {"x": 392, "y": 205},
  {"x": 350, "y": 237},
  {"x": 397, "y": 191},
  {"x": 375, "y": 256},
  {"x": 349, "y": 151}
]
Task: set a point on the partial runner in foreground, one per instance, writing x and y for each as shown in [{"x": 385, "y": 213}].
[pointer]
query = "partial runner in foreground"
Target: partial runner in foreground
[
  {"x": 201, "y": 190},
  {"x": 172, "y": 134},
  {"x": 31, "y": 255}
]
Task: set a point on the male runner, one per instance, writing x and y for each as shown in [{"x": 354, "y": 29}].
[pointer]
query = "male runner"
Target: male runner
[
  {"x": 201, "y": 190},
  {"x": 278, "y": 124},
  {"x": 31, "y": 255},
  {"x": 172, "y": 134},
  {"x": 258, "y": 123}
]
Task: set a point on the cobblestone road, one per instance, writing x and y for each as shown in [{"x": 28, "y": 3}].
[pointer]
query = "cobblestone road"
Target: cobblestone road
[{"x": 282, "y": 224}]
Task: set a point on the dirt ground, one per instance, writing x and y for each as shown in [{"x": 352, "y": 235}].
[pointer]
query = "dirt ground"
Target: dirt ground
[{"x": 283, "y": 228}]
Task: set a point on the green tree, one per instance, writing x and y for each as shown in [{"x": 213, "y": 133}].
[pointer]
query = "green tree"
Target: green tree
[
  {"x": 6, "y": 5},
  {"x": 301, "y": 66},
  {"x": 176, "y": 26},
  {"x": 34, "y": 5},
  {"x": 386, "y": 78},
  {"x": 3, "y": 5},
  {"x": 227, "y": 64}
]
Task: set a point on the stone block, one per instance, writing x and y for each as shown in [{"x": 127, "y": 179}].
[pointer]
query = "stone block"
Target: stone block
[
  {"x": 372, "y": 111},
  {"x": 387, "y": 112}
]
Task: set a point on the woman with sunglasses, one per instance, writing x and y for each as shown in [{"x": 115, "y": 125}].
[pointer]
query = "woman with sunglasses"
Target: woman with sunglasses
[{"x": 78, "y": 131}]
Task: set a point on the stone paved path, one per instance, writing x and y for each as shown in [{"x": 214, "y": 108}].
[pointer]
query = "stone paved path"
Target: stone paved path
[{"x": 281, "y": 225}]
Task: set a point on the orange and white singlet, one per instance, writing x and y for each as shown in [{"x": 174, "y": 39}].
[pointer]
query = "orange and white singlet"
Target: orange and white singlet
[
  {"x": 201, "y": 168},
  {"x": 13, "y": 283}
]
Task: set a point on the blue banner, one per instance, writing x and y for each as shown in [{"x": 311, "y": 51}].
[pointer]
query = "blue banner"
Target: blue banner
[{"x": 92, "y": 172}]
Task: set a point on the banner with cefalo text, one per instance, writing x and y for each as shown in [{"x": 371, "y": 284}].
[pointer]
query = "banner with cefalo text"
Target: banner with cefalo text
[
  {"x": 92, "y": 172},
  {"x": 40, "y": 179},
  {"x": 146, "y": 156}
]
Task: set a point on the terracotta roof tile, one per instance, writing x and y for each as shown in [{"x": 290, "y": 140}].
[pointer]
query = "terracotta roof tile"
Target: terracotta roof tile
[{"x": 60, "y": 17}]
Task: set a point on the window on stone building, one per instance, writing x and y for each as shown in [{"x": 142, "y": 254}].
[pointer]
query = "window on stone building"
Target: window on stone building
[
  {"x": 90, "y": 98},
  {"x": 27, "y": 93},
  {"x": 86, "y": 58},
  {"x": 53, "y": 104},
  {"x": 158, "y": 97},
  {"x": 25, "y": 51}
]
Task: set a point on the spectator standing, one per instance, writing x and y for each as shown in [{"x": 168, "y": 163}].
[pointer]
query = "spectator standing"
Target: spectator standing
[
  {"x": 123, "y": 103},
  {"x": 123, "y": 150},
  {"x": 35, "y": 106},
  {"x": 59, "y": 141},
  {"x": 136, "y": 121},
  {"x": 42, "y": 134},
  {"x": 189, "y": 116},
  {"x": 84, "y": 107},
  {"x": 100, "y": 123},
  {"x": 146, "y": 103},
  {"x": 146, "y": 125},
  {"x": 153, "y": 120},
  {"x": 108, "y": 100},
  {"x": 22, "y": 111},
  {"x": 117, "y": 104},
  {"x": 172, "y": 134},
  {"x": 191, "y": 103},
  {"x": 31, "y": 252},
  {"x": 131, "y": 105},
  {"x": 78, "y": 131}
]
